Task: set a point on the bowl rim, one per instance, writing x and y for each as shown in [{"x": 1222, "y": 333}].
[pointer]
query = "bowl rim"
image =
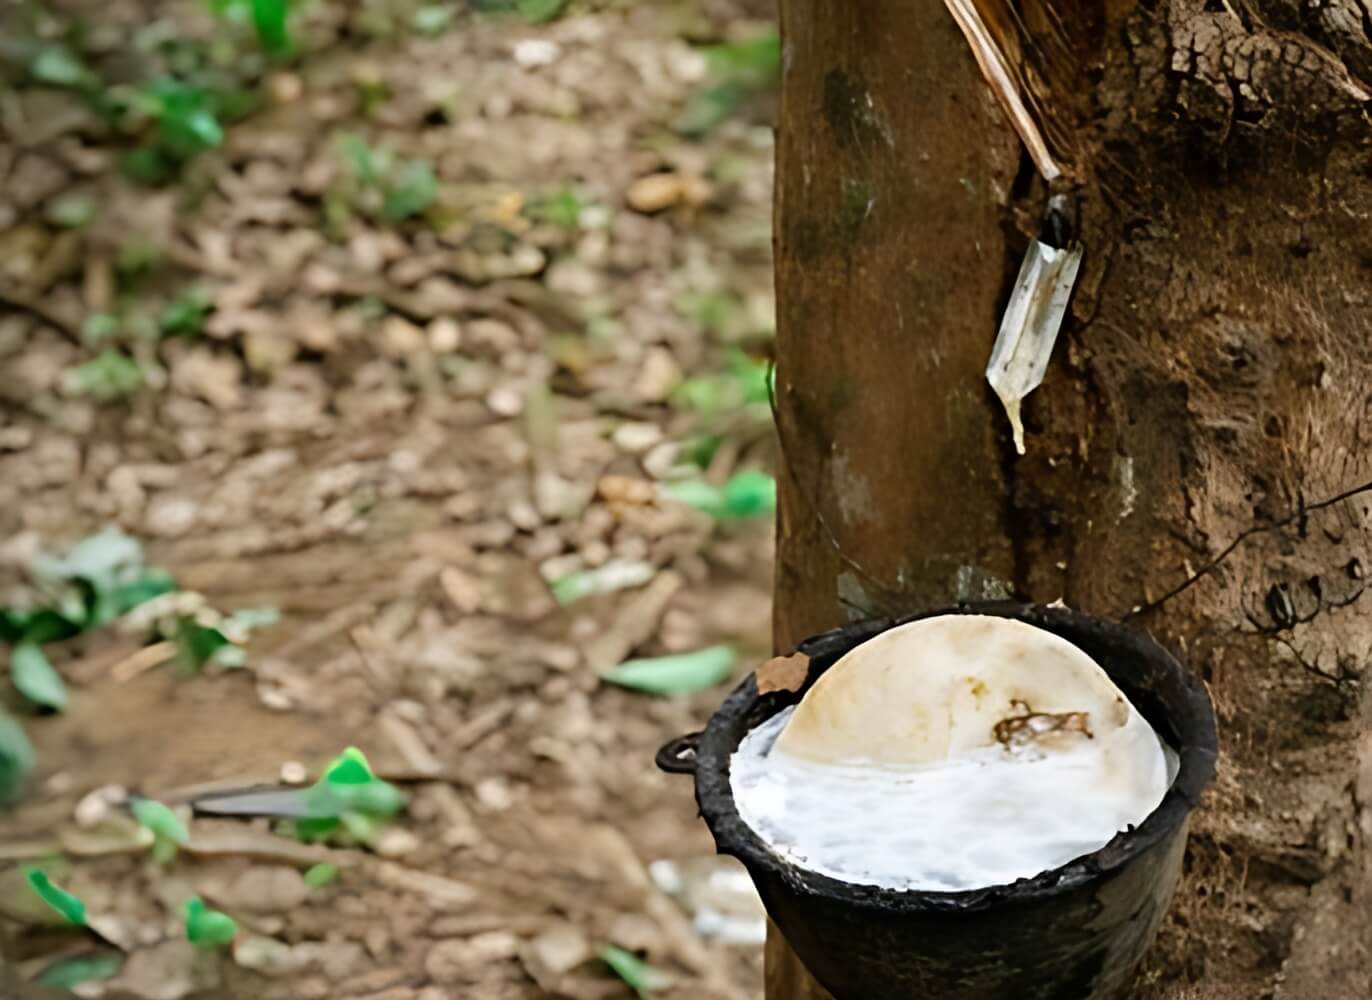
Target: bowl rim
[{"x": 1191, "y": 720}]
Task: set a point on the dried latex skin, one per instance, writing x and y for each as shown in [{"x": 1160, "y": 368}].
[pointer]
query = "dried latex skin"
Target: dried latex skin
[{"x": 943, "y": 687}]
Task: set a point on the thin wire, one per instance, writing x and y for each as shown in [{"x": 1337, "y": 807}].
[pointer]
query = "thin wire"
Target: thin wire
[{"x": 1302, "y": 510}]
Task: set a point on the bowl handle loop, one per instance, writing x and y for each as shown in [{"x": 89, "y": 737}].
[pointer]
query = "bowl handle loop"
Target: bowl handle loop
[{"x": 678, "y": 756}]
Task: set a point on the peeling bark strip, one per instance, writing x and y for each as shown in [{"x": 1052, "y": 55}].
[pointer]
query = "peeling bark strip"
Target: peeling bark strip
[
  {"x": 1005, "y": 74},
  {"x": 1212, "y": 388}
]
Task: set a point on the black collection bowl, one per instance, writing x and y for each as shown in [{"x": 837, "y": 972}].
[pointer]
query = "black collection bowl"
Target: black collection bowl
[{"x": 1076, "y": 932}]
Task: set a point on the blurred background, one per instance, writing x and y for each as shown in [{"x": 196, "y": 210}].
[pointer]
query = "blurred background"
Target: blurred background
[{"x": 387, "y": 374}]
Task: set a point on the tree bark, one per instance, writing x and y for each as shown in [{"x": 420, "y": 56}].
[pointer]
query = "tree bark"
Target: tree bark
[{"x": 1189, "y": 454}]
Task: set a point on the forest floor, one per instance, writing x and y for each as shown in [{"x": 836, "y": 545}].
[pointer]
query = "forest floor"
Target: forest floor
[{"x": 429, "y": 331}]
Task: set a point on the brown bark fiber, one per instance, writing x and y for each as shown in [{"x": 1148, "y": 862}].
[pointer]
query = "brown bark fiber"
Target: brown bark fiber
[{"x": 1210, "y": 385}]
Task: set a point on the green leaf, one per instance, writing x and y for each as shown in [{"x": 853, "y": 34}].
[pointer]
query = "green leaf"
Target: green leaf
[
  {"x": 111, "y": 375},
  {"x": 360, "y": 826},
  {"x": 70, "y": 211},
  {"x": 682, "y": 673},
  {"x": 754, "y": 377},
  {"x": 409, "y": 191},
  {"x": 713, "y": 311},
  {"x": 186, "y": 122},
  {"x": 640, "y": 976},
  {"x": 60, "y": 67},
  {"x": 350, "y": 786},
  {"x": 112, "y": 601},
  {"x": 310, "y": 830},
  {"x": 364, "y": 162},
  {"x": 203, "y": 127},
  {"x": 756, "y": 61},
  {"x": 148, "y": 166},
  {"x": 16, "y": 758},
  {"x": 706, "y": 109},
  {"x": 269, "y": 18},
  {"x": 35, "y": 677},
  {"x": 704, "y": 393},
  {"x": 699, "y": 494},
  {"x": 198, "y": 645},
  {"x": 169, "y": 833},
  {"x": 432, "y": 19},
  {"x": 12, "y": 624},
  {"x": 68, "y": 973},
  {"x": 617, "y": 574},
  {"x": 349, "y": 768},
  {"x": 233, "y": 10},
  {"x": 47, "y": 625},
  {"x": 99, "y": 327},
  {"x": 206, "y": 928},
  {"x": 560, "y": 209},
  {"x": 750, "y": 493},
  {"x": 185, "y": 316},
  {"x": 573, "y": 587},
  {"x": 700, "y": 450},
  {"x": 109, "y": 568},
  {"x": 540, "y": 11},
  {"x": 71, "y": 909},
  {"x": 246, "y": 620},
  {"x": 740, "y": 69},
  {"x": 320, "y": 875},
  {"x": 98, "y": 559}
]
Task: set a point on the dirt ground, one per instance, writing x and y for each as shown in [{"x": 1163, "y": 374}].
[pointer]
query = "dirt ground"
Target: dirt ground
[{"x": 395, "y": 434}]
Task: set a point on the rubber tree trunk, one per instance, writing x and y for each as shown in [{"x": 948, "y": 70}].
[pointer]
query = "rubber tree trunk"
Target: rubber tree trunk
[{"x": 1205, "y": 418}]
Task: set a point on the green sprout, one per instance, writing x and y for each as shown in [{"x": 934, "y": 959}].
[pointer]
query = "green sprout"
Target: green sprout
[
  {"x": 269, "y": 19},
  {"x": 738, "y": 71},
  {"x": 68, "y": 973},
  {"x": 208, "y": 639},
  {"x": 750, "y": 493},
  {"x": 70, "y": 211},
  {"x": 432, "y": 19},
  {"x": 320, "y": 875},
  {"x": 110, "y": 375},
  {"x": 101, "y": 578},
  {"x": 408, "y": 191},
  {"x": 185, "y": 315},
  {"x": 349, "y": 796},
  {"x": 168, "y": 832},
  {"x": 680, "y": 673},
  {"x": 638, "y": 974},
  {"x": 406, "y": 187},
  {"x": 562, "y": 208},
  {"x": 16, "y": 758},
  {"x": 71, "y": 909},
  {"x": 540, "y": 11},
  {"x": 206, "y": 928}
]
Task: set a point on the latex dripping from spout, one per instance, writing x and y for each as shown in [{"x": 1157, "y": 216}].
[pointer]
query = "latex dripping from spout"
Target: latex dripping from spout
[{"x": 1033, "y": 316}]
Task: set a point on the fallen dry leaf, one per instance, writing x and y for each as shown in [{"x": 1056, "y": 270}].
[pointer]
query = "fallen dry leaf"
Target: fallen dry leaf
[{"x": 783, "y": 673}]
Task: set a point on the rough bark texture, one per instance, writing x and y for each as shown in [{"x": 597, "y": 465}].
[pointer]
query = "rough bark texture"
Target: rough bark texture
[{"x": 1210, "y": 386}]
